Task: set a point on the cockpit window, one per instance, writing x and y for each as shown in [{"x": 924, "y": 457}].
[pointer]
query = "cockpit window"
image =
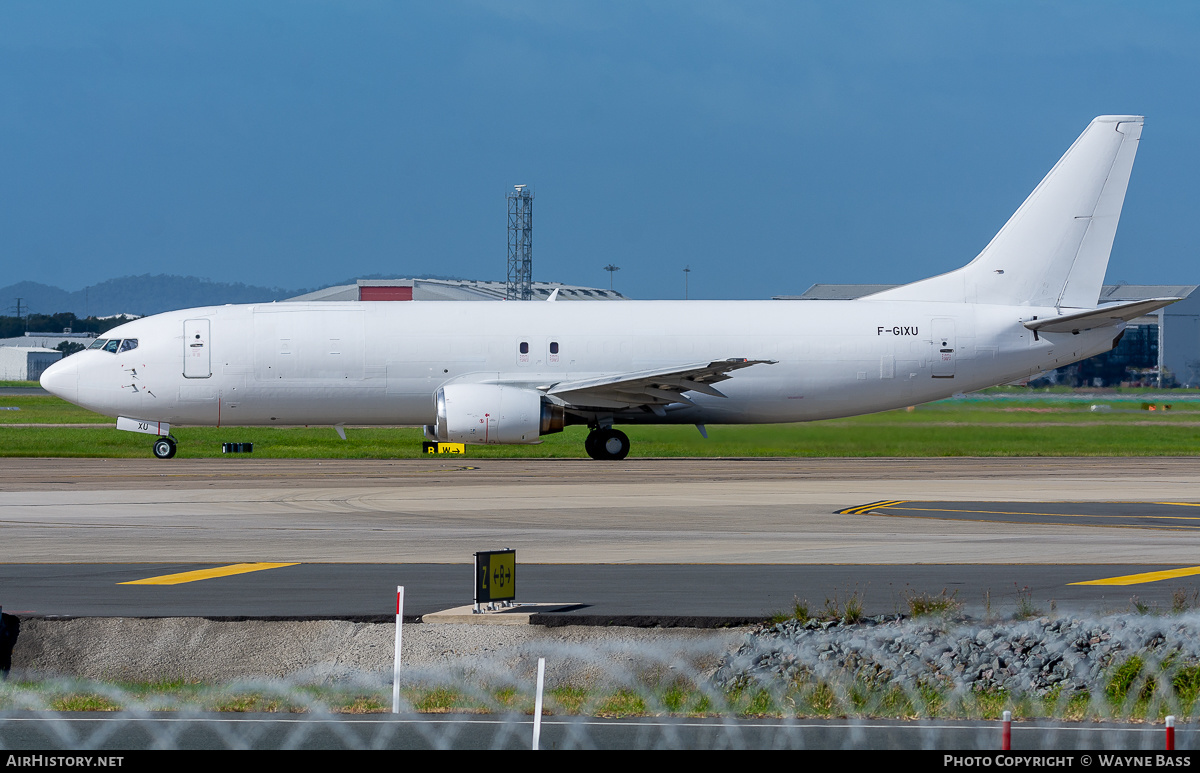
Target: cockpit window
[{"x": 114, "y": 345}]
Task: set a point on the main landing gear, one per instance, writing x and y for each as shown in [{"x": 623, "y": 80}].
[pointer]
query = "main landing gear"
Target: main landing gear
[
  {"x": 164, "y": 447},
  {"x": 607, "y": 443}
]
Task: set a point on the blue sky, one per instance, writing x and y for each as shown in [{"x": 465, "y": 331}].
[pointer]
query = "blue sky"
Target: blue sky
[{"x": 767, "y": 145}]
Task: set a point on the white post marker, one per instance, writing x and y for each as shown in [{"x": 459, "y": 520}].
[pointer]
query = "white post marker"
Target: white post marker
[
  {"x": 396, "y": 660},
  {"x": 537, "y": 704}
]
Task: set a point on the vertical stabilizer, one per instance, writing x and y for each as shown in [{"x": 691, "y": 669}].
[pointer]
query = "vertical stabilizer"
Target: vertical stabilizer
[{"x": 1054, "y": 250}]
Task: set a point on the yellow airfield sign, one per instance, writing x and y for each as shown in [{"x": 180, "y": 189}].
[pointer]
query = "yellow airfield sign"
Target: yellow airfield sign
[
  {"x": 444, "y": 448},
  {"x": 495, "y": 576}
]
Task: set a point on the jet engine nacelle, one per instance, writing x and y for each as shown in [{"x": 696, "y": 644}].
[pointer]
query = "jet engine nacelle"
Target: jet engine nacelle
[{"x": 493, "y": 414}]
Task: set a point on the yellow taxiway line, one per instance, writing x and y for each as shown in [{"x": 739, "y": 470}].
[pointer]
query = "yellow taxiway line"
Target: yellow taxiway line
[
  {"x": 204, "y": 574},
  {"x": 1138, "y": 579},
  {"x": 1049, "y": 515},
  {"x": 863, "y": 509}
]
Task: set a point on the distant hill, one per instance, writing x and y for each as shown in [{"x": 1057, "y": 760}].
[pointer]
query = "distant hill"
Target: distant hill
[{"x": 145, "y": 294}]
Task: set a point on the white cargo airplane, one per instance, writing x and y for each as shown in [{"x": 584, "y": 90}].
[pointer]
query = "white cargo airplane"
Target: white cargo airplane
[{"x": 512, "y": 372}]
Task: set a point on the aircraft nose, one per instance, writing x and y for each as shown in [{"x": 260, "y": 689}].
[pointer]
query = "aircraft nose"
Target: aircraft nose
[{"x": 62, "y": 379}]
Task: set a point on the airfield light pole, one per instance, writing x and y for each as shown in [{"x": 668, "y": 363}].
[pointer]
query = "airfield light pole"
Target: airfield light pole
[
  {"x": 26, "y": 314},
  {"x": 686, "y": 270},
  {"x": 611, "y": 269},
  {"x": 520, "y": 245}
]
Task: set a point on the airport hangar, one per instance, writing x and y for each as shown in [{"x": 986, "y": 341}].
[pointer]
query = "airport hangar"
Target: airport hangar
[{"x": 450, "y": 290}]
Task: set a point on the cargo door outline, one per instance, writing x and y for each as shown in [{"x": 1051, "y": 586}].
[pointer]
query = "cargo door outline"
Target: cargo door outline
[
  {"x": 197, "y": 358},
  {"x": 943, "y": 348}
]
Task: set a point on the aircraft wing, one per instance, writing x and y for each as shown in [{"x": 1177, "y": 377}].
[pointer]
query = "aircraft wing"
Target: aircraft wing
[
  {"x": 1101, "y": 317},
  {"x": 652, "y": 388}
]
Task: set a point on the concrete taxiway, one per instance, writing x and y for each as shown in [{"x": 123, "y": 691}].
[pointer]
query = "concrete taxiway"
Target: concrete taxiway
[{"x": 678, "y": 519}]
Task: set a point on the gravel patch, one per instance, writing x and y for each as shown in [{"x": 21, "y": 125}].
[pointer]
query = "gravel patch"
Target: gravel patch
[
  {"x": 1033, "y": 656},
  {"x": 131, "y": 649}
]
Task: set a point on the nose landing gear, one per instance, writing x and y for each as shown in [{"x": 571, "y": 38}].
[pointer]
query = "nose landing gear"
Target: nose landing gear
[
  {"x": 607, "y": 443},
  {"x": 164, "y": 447}
]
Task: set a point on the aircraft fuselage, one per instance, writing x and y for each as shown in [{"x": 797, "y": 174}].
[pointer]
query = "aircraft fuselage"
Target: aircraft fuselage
[{"x": 381, "y": 363}]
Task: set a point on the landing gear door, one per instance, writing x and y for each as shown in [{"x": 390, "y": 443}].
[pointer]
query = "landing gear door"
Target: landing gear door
[{"x": 197, "y": 361}]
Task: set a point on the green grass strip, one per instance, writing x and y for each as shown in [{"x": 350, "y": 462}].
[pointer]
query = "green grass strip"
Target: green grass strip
[{"x": 999, "y": 428}]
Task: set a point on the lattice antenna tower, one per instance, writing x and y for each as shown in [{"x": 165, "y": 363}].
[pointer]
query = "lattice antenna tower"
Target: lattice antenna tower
[{"x": 520, "y": 244}]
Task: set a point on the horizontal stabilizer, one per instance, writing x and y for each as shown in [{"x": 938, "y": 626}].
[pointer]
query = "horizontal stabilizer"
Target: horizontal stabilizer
[
  {"x": 1102, "y": 317},
  {"x": 649, "y": 387}
]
